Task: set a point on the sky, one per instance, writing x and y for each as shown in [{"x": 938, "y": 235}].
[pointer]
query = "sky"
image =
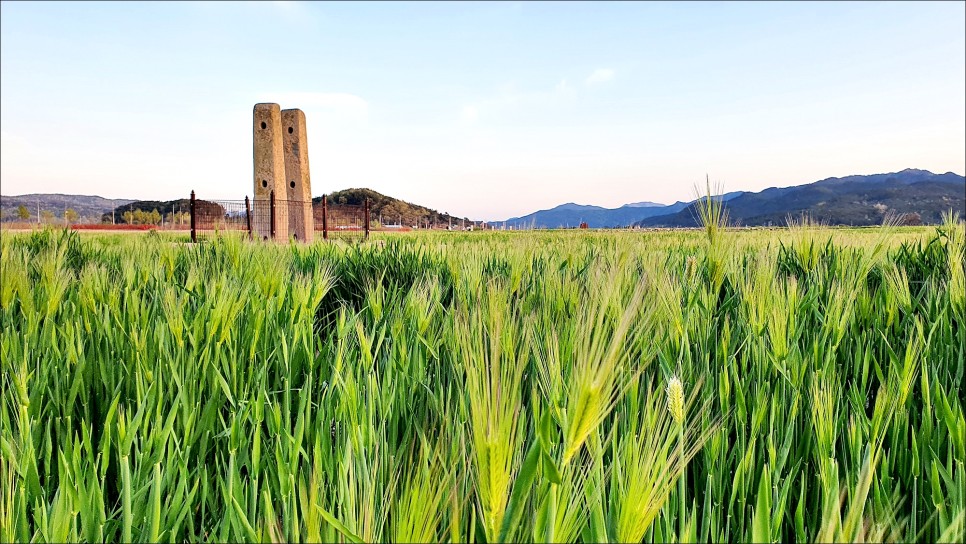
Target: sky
[{"x": 485, "y": 110}]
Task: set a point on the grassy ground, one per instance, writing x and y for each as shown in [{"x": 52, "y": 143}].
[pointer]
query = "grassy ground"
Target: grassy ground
[{"x": 790, "y": 384}]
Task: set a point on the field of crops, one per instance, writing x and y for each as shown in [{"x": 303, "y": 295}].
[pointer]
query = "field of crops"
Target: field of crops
[{"x": 803, "y": 384}]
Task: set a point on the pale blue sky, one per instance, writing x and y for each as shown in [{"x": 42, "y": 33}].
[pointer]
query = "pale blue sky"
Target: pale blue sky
[{"x": 487, "y": 110}]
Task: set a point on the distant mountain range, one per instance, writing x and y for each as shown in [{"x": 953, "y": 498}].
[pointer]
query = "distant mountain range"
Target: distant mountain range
[
  {"x": 643, "y": 205},
  {"x": 572, "y": 215},
  {"x": 852, "y": 200},
  {"x": 88, "y": 208},
  {"x": 919, "y": 195}
]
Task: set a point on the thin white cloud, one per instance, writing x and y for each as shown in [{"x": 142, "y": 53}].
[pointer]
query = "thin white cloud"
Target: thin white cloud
[{"x": 600, "y": 75}]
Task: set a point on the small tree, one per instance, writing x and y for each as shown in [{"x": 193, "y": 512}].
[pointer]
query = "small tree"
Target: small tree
[
  {"x": 155, "y": 217},
  {"x": 46, "y": 216},
  {"x": 23, "y": 213},
  {"x": 71, "y": 216},
  {"x": 910, "y": 219},
  {"x": 178, "y": 218},
  {"x": 128, "y": 217}
]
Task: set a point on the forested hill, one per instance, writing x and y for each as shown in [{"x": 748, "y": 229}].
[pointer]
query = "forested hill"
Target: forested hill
[
  {"x": 393, "y": 211},
  {"x": 390, "y": 210}
]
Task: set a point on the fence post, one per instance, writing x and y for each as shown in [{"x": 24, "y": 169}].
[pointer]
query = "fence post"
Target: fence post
[
  {"x": 271, "y": 214},
  {"x": 325, "y": 219},
  {"x": 366, "y": 213},
  {"x": 191, "y": 207},
  {"x": 248, "y": 217}
]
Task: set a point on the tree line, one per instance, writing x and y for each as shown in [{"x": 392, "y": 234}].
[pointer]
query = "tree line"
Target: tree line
[
  {"x": 22, "y": 213},
  {"x": 130, "y": 217}
]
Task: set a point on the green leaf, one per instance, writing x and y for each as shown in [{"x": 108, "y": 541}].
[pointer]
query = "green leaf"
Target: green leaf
[
  {"x": 761, "y": 522},
  {"x": 543, "y": 522},
  {"x": 544, "y": 430},
  {"x": 596, "y": 530},
  {"x": 249, "y": 530},
  {"x": 156, "y": 504},
  {"x": 223, "y": 384},
  {"x": 126, "y": 515},
  {"x": 800, "y": 534},
  {"x": 521, "y": 488},
  {"x": 937, "y": 495},
  {"x": 338, "y": 525},
  {"x": 550, "y": 468}
]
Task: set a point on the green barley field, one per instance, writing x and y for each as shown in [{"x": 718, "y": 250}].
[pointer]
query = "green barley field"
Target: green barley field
[{"x": 799, "y": 384}]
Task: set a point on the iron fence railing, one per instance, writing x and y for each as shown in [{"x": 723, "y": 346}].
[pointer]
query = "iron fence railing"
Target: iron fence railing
[
  {"x": 219, "y": 215},
  {"x": 342, "y": 219},
  {"x": 275, "y": 219}
]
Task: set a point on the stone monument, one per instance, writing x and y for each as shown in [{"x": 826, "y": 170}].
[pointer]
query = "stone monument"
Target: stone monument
[
  {"x": 298, "y": 185},
  {"x": 269, "y": 174}
]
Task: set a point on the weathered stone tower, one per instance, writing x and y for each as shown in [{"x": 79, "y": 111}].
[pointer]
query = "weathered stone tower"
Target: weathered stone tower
[
  {"x": 269, "y": 173},
  {"x": 298, "y": 184}
]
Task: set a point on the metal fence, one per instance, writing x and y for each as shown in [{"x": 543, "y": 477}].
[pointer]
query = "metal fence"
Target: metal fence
[
  {"x": 273, "y": 219},
  {"x": 342, "y": 220},
  {"x": 218, "y": 215}
]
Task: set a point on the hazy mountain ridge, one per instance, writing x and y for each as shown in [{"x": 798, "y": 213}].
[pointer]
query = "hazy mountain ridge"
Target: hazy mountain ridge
[
  {"x": 572, "y": 215},
  {"x": 89, "y": 207},
  {"x": 859, "y": 200},
  {"x": 645, "y": 204},
  {"x": 851, "y": 200}
]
